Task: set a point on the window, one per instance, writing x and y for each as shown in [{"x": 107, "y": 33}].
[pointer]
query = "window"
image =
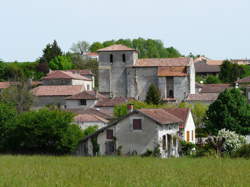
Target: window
[
  {"x": 192, "y": 135},
  {"x": 111, "y": 58},
  {"x": 88, "y": 87},
  {"x": 164, "y": 142},
  {"x": 110, "y": 134},
  {"x": 137, "y": 124},
  {"x": 188, "y": 136},
  {"x": 123, "y": 57},
  {"x": 83, "y": 102}
]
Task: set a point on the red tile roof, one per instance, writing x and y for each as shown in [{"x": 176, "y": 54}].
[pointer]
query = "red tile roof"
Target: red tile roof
[
  {"x": 214, "y": 88},
  {"x": 92, "y": 54},
  {"x": 215, "y": 62},
  {"x": 111, "y": 102},
  {"x": 160, "y": 115},
  {"x": 156, "y": 62},
  {"x": 181, "y": 113},
  {"x": 171, "y": 71},
  {"x": 81, "y": 71},
  {"x": 62, "y": 90},
  {"x": 244, "y": 80},
  {"x": 58, "y": 74},
  {"x": 89, "y": 118},
  {"x": 202, "y": 97},
  {"x": 4, "y": 85},
  {"x": 205, "y": 68},
  {"x": 116, "y": 47},
  {"x": 90, "y": 95},
  {"x": 106, "y": 114}
]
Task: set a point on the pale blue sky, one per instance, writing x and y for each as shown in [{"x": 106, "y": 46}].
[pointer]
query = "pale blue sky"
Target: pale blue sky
[{"x": 219, "y": 29}]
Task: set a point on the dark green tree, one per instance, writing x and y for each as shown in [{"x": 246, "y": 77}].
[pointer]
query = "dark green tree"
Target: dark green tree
[
  {"x": 230, "y": 111},
  {"x": 230, "y": 72},
  {"x": 153, "y": 95},
  {"x": 95, "y": 46},
  {"x": 211, "y": 79},
  {"x": 7, "y": 122},
  {"x": 45, "y": 132},
  {"x": 51, "y": 51}
]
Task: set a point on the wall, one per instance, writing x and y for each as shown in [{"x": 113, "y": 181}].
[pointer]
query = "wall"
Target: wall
[
  {"x": 85, "y": 125},
  {"x": 76, "y": 104},
  {"x": 42, "y": 101},
  {"x": 190, "y": 126},
  {"x": 90, "y": 83},
  {"x": 57, "y": 82},
  {"x": 77, "y": 82},
  {"x": 191, "y": 71},
  {"x": 113, "y": 76},
  {"x": 180, "y": 87}
]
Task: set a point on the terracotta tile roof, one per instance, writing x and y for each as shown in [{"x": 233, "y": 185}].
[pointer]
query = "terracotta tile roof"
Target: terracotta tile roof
[
  {"x": 116, "y": 47},
  {"x": 81, "y": 71},
  {"x": 92, "y": 54},
  {"x": 111, "y": 102},
  {"x": 4, "y": 85},
  {"x": 58, "y": 74},
  {"x": 60, "y": 90},
  {"x": 215, "y": 62},
  {"x": 106, "y": 114},
  {"x": 202, "y": 97},
  {"x": 181, "y": 113},
  {"x": 205, "y": 68},
  {"x": 244, "y": 80},
  {"x": 171, "y": 71},
  {"x": 214, "y": 88},
  {"x": 156, "y": 62},
  {"x": 91, "y": 95},
  {"x": 89, "y": 118},
  {"x": 161, "y": 116}
]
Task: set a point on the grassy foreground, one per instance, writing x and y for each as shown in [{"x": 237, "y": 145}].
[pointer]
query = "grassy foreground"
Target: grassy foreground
[{"x": 115, "y": 171}]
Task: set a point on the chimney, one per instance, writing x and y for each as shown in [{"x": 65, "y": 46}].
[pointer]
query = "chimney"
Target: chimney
[{"x": 130, "y": 107}]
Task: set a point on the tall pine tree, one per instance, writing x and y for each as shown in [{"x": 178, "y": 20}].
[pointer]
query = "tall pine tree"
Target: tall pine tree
[{"x": 153, "y": 95}]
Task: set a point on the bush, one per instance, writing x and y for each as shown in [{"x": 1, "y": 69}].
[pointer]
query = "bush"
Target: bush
[
  {"x": 243, "y": 151},
  {"x": 187, "y": 148}
]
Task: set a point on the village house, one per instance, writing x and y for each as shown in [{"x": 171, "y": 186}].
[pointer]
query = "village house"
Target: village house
[
  {"x": 207, "y": 93},
  {"x": 88, "y": 120},
  {"x": 84, "y": 100},
  {"x": 59, "y": 85},
  {"x": 141, "y": 131},
  {"x": 122, "y": 74}
]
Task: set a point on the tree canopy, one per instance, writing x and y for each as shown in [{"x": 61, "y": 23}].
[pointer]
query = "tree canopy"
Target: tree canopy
[
  {"x": 80, "y": 47},
  {"x": 230, "y": 72},
  {"x": 230, "y": 111},
  {"x": 153, "y": 95},
  {"x": 148, "y": 48},
  {"x": 61, "y": 63}
]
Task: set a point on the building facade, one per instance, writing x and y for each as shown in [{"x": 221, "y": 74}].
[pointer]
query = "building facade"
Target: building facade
[{"x": 122, "y": 74}]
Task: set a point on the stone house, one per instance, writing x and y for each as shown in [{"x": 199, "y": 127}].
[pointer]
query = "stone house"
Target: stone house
[
  {"x": 88, "y": 120},
  {"x": 140, "y": 131},
  {"x": 59, "y": 77},
  {"x": 122, "y": 74},
  {"x": 84, "y": 100}
]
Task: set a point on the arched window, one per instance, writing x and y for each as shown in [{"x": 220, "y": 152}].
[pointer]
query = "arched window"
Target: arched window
[
  {"x": 123, "y": 57},
  {"x": 111, "y": 58}
]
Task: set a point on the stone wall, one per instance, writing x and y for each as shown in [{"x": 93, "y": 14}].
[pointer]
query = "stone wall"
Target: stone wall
[
  {"x": 57, "y": 82},
  {"x": 76, "y": 104}
]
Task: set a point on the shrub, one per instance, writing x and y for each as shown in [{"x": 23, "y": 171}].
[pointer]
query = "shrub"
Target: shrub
[
  {"x": 243, "y": 151},
  {"x": 186, "y": 147}
]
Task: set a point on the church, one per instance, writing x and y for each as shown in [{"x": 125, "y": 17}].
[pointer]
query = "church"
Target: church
[{"x": 123, "y": 74}]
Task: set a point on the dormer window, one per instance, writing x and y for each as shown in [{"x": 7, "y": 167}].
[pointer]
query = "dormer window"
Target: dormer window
[
  {"x": 111, "y": 58},
  {"x": 123, "y": 58}
]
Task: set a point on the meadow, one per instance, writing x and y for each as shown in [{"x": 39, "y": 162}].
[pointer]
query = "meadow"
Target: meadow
[{"x": 122, "y": 171}]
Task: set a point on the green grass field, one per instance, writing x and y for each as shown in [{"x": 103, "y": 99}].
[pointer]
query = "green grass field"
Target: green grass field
[{"x": 115, "y": 171}]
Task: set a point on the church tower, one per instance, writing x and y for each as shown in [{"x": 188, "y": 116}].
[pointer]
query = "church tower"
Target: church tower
[{"x": 113, "y": 63}]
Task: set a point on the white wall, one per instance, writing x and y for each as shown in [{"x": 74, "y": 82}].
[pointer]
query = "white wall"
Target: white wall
[
  {"x": 90, "y": 84},
  {"x": 85, "y": 125},
  {"x": 77, "y": 82},
  {"x": 189, "y": 126},
  {"x": 192, "y": 77}
]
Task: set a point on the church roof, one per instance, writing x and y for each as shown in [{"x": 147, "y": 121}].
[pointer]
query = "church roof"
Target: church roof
[
  {"x": 58, "y": 74},
  {"x": 156, "y": 62},
  {"x": 116, "y": 47}
]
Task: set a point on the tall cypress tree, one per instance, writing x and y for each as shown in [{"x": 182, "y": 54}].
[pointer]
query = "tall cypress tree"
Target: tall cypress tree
[{"x": 153, "y": 95}]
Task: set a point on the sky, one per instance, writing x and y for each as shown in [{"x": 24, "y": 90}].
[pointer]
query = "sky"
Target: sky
[{"x": 218, "y": 29}]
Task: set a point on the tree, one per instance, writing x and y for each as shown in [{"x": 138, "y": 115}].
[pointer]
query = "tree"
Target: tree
[
  {"x": 95, "y": 46},
  {"x": 211, "y": 79},
  {"x": 7, "y": 117},
  {"x": 18, "y": 95},
  {"x": 61, "y": 63},
  {"x": 153, "y": 95},
  {"x": 230, "y": 72},
  {"x": 80, "y": 47},
  {"x": 51, "y": 51},
  {"x": 45, "y": 132},
  {"x": 90, "y": 130},
  {"x": 230, "y": 111},
  {"x": 199, "y": 113}
]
